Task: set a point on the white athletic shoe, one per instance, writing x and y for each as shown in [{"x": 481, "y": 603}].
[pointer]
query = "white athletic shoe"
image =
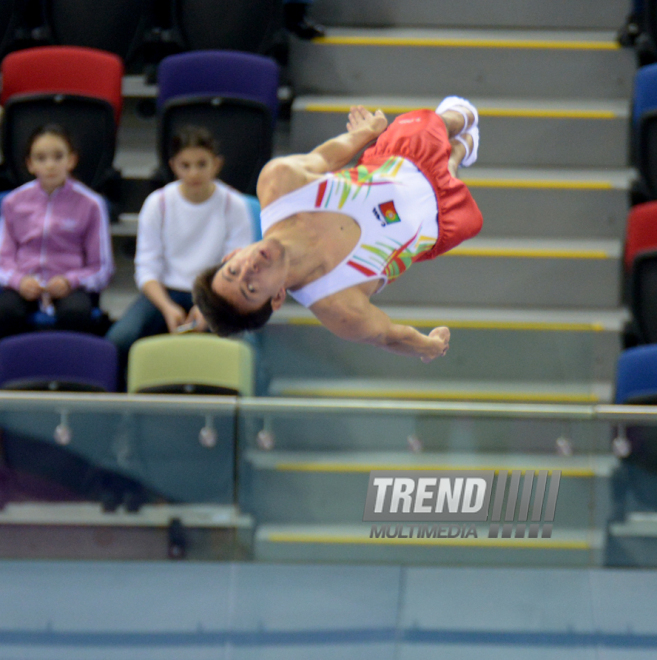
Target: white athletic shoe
[{"x": 457, "y": 104}]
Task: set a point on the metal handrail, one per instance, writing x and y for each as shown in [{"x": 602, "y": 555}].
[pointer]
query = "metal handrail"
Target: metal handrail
[{"x": 96, "y": 402}]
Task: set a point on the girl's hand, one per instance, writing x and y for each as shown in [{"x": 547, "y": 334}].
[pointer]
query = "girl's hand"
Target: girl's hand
[
  {"x": 360, "y": 118},
  {"x": 195, "y": 316},
  {"x": 174, "y": 316},
  {"x": 29, "y": 288},
  {"x": 58, "y": 287}
]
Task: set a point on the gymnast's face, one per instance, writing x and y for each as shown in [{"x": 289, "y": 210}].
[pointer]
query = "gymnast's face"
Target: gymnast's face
[{"x": 253, "y": 275}]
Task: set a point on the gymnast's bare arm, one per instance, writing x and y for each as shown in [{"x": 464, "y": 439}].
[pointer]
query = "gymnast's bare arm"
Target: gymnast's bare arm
[
  {"x": 350, "y": 315},
  {"x": 283, "y": 175}
]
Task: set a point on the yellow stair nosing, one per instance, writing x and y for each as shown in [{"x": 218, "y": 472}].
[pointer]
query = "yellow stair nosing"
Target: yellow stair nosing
[
  {"x": 465, "y": 42},
  {"x": 551, "y": 397},
  {"x": 527, "y": 253},
  {"x": 528, "y": 544},
  {"x": 483, "y": 111},
  {"x": 538, "y": 326},
  {"x": 310, "y": 466}
]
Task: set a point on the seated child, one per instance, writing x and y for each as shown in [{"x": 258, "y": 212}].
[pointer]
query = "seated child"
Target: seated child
[
  {"x": 55, "y": 245},
  {"x": 184, "y": 227}
]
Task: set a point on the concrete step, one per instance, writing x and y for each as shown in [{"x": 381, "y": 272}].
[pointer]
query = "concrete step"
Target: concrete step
[
  {"x": 509, "y": 272},
  {"x": 499, "y": 272},
  {"x": 514, "y": 132},
  {"x": 532, "y": 203},
  {"x": 84, "y": 531},
  {"x": 487, "y": 318},
  {"x": 479, "y": 63},
  {"x": 548, "y": 346},
  {"x": 585, "y": 14},
  {"x": 633, "y": 542},
  {"x": 551, "y": 203},
  {"x": 444, "y": 390},
  {"x": 352, "y": 543}
]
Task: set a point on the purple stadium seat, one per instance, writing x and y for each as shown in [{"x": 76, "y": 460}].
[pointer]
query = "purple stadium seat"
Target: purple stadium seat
[
  {"x": 233, "y": 95},
  {"x": 64, "y": 361},
  {"x": 219, "y": 73}
]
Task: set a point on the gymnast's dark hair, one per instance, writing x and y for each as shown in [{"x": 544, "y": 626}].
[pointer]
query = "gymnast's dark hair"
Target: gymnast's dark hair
[
  {"x": 189, "y": 137},
  {"x": 49, "y": 129},
  {"x": 222, "y": 316}
]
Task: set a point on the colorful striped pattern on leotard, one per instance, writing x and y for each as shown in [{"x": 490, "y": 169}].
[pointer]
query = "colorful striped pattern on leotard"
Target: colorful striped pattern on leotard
[{"x": 395, "y": 208}]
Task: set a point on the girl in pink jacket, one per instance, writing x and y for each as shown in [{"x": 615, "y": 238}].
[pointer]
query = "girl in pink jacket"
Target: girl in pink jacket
[{"x": 55, "y": 246}]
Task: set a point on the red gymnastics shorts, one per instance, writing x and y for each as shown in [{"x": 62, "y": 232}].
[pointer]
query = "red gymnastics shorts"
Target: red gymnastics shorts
[{"x": 421, "y": 137}]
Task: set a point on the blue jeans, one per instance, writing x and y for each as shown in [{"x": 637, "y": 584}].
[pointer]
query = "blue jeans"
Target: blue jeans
[{"x": 143, "y": 319}]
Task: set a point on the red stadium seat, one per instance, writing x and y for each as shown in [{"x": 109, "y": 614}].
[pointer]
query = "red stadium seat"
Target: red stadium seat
[
  {"x": 64, "y": 70},
  {"x": 641, "y": 232}
]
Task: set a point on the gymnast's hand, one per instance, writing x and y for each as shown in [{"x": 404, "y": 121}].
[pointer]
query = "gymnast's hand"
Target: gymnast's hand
[
  {"x": 361, "y": 119},
  {"x": 439, "y": 344}
]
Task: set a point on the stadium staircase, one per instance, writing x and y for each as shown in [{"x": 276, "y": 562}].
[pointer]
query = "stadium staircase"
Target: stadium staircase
[{"x": 533, "y": 303}]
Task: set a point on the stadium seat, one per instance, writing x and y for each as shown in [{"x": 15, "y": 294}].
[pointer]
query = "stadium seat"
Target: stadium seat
[
  {"x": 643, "y": 296},
  {"x": 640, "y": 231},
  {"x": 634, "y": 481},
  {"x": 79, "y": 88},
  {"x": 58, "y": 361},
  {"x": 644, "y": 127},
  {"x": 64, "y": 70},
  {"x": 633, "y": 28},
  {"x": 233, "y": 95},
  {"x": 638, "y": 281},
  {"x": 9, "y": 13},
  {"x": 254, "y": 207},
  {"x": 636, "y": 374},
  {"x": 116, "y": 26},
  {"x": 223, "y": 24},
  {"x": 190, "y": 364},
  {"x": 646, "y": 43}
]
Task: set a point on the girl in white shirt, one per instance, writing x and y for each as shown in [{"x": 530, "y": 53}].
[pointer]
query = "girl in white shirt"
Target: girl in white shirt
[{"x": 184, "y": 228}]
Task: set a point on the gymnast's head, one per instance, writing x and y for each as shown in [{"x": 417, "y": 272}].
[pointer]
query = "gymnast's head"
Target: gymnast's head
[{"x": 243, "y": 291}]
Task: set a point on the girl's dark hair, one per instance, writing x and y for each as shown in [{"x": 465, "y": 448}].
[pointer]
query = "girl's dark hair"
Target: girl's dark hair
[
  {"x": 222, "y": 316},
  {"x": 193, "y": 136},
  {"x": 50, "y": 129}
]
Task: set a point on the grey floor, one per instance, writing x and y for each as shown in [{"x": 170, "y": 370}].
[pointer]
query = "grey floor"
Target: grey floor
[{"x": 98, "y": 611}]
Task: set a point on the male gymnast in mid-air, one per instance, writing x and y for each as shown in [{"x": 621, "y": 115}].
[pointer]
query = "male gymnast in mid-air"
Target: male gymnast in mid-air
[{"x": 334, "y": 237}]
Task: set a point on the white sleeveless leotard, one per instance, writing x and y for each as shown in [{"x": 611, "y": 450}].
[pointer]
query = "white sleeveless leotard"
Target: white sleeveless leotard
[{"x": 395, "y": 208}]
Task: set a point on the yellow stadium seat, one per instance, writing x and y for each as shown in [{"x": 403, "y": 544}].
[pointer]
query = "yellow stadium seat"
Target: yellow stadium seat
[{"x": 191, "y": 363}]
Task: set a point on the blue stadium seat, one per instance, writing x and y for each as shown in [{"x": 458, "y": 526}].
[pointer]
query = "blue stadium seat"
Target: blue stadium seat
[
  {"x": 644, "y": 127},
  {"x": 636, "y": 374},
  {"x": 254, "y": 207}
]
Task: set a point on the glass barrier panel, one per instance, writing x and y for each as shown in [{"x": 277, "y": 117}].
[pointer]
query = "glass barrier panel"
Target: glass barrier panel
[
  {"x": 102, "y": 476},
  {"x": 307, "y": 470},
  {"x": 294, "y": 480}
]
